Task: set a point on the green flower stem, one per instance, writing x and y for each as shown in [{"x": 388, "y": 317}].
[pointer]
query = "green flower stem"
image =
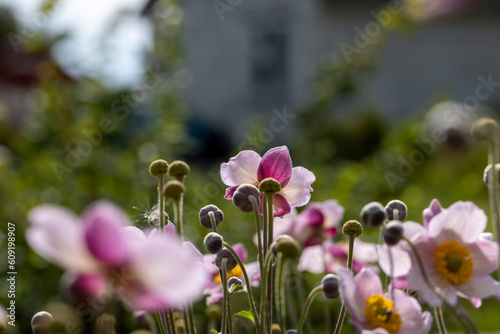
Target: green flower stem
[
  {"x": 223, "y": 275},
  {"x": 438, "y": 313},
  {"x": 291, "y": 300},
  {"x": 171, "y": 322},
  {"x": 264, "y": 227},
  {"x": 189, "y": 318},
  {"x": 270, "y": 237},
  {"x": 340, "y": 320},
  {"x": 226, "y": 302},
  {"x": 266, "y": 320},
  {"x": 160, "y": 323},
  {"x": 178, "y": 216},
  {"x": 280, "y": 295},
  {"x": 307, "y": 305},
  {"x": 251, "y": 300},
  {"x": 493, "y": 159},
  {"x": 161, "y": 203},
  {"x": 255, "y": 206},
  {"x": 458, "y": 312},
  {"x": 211, "y": 215}
]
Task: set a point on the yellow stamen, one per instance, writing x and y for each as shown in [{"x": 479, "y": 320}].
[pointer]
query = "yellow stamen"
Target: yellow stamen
[
  {"x": 380, "y": 313},
  {"x": 453, "y": 262},
  {"x": 236, "y": 272}
]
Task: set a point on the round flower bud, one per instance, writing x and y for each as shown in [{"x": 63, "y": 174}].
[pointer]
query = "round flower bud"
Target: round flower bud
[
  {"x": 158, "y": 168},
  {"x": 240, "y": 197},
  {"x": 233, "y": 281},
  {"x": 41, "y": 322},
  {"x": 352, "y": 227},
  {"x": 225, "y": 254},
  {"x": 173, "y": 189},
  {"x": 287, "y": 246},
  {"x": 330, "y": 286},
  {"x": 213, "y": 242},
  {"x": 487, "y": 172},
  {"x": 291, "y": 331},
  {"x": 396, "y": 205},
  {"x": 154, "y": 218},
  {"x": 269, "y": 185},
  {"x": 213, "y": 311},
  {"x": 392, "y": 232},
  {"x": 205, "y": 218},
  {"x": 276, "y": 329},
  {"x": 485, "y": 129},
  {"x": 178, "y": 169},
  {"x": 373, "y": 214}
]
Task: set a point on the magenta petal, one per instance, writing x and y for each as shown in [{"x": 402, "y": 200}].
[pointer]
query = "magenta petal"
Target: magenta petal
[
  {"x": 312, "y": 215},
  {"x": 241, "y": 251},
  {"x": 281, "y": 206},
  {"x": 276, "y": 163},
  {"x": 103, "y": 224},
  {"x": 230, "y": 191},
  {"x": 169, "y": 231},
  {"x": 433, "y": 209}
]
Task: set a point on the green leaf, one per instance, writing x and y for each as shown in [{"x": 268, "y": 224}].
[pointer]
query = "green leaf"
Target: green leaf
[{"x": 246, "y": 314}]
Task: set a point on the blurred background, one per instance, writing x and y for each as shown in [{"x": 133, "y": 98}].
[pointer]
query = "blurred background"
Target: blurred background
[{"x": 375, "y": 97}]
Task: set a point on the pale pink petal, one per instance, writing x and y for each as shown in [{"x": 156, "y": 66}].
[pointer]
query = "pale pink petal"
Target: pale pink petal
[
  {"x": 167, "y": 269},
  {"x": 333, "y": 213},
  {"x": 277, "y": 164},
  {"x": 375, "y": 331},
  {"x": 56, "y": 235},
  {"x": 103, "y": 228},
  {"x": 287, "y": 225},
  {"x": 481, "y": 286},
  {"x": 169, "y": 231},
  {"x": 364, "y": 251},
  {"x": 241, "y": 169},
  {"x": 462, "y": 220},
  {"x": 253, "y": 272},
  {"x": 484, "y": 254},
  {"x": 312, "y": 260},
  {"x": 368, "y": 283},
  {"x": 353, "y": 300},
  {"x": 412, "y": 230},
  {"x": 410, "y": 311},
  {"x": 401, "y": 261},
  {"x": 133, "y": 234},
  {"x": 298, "y": 190},
  {"x": 433, "y": 209}
]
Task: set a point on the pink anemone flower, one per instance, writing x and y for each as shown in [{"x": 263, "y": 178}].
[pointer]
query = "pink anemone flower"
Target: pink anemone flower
[
  {"x": 106, "y": 256},
  {"x": 458, "y": 257},
  {"x": 372, "y": 311},
  {"x": 249, "y": 168}
]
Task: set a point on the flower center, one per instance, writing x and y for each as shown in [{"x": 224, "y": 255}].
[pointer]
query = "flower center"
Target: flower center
[
  {"x": 453, "y": 262},
  {"x": 235, "y": 272},
  {"x": 379, "y": 312}
]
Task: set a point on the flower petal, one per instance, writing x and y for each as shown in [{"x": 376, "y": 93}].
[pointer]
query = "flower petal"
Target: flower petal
[
  {"x": 276, "y": 163},
  {"x": 311, "y": 260},
  {"x": 433, "y": 209},
  {"x": 350, "y": 295},
  {"x": 230, "y": 191},
  {"x": 401, "y": 261},
  {"x": 410, "y": 311},
  {"x": 241, "y": 169},
  {"x": 412, "y": 230},
  {"x": 463, "y": 220},
  {"x": 481, "y": 286},
  {"x": 55, "y": 234},
  {"x": 368, "y": 283},
  {"x": 241, "y": 251},
  {"x": 281, "y": 206},
  {"x": 484, "y": 254},
  {"x": 297, "y": 192},
  {"x": 103, "y": 224}
]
